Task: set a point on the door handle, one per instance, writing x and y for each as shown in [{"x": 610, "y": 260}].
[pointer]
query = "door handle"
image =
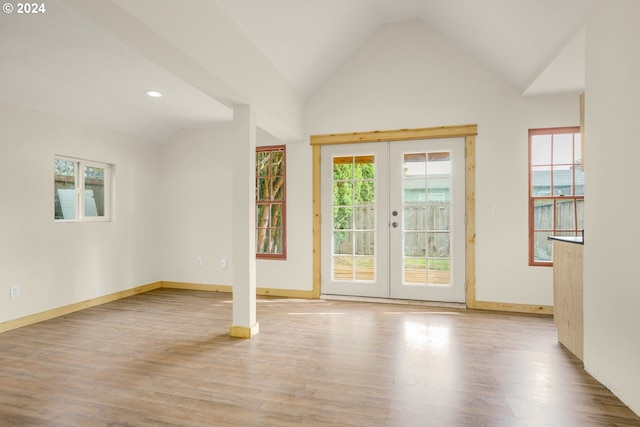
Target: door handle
[{"x": 394, "y": 224}]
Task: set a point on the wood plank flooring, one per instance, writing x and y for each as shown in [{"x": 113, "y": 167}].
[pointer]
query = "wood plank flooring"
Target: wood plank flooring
[{"x": 165, "y": 358}]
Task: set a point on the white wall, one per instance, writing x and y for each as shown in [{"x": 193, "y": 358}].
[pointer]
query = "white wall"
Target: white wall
[
  {"x": 57, "y": 264},
  {"x": 409, "y": 76},
  {"x": 612, "y": 202},
  {"x": 198, "y": 193},
  {"x": 197, "y": 206},
  {"x": 296, "y": 272}
]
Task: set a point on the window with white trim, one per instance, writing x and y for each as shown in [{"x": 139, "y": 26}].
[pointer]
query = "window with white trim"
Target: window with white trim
[{"x": 81, "y": 190}]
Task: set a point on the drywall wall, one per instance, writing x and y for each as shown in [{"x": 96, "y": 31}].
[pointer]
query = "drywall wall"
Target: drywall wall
[
  {"x": 57, "y": 264},
  {"x": 611, "y": 291},
  {"x": 296, "y": 271},
  {"x": 197, "y": 199},
  {"x": 197, "y": 168},
  {"x": 408, "y": 76}
]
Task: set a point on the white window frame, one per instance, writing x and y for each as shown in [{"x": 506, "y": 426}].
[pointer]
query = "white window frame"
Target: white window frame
[{"x": 80, "y": 189}]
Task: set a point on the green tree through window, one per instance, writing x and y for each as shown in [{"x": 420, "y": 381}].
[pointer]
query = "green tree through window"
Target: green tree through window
[{"x": 353, "y": 217}]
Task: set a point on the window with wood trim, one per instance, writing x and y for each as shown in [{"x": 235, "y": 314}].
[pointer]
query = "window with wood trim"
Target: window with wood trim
[
  {"x": 556, "y": 189},
  {"x": 271, "y": 218}
]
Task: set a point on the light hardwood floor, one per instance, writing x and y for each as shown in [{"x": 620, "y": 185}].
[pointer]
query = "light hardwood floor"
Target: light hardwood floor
[{"x": 165, "y": 358}]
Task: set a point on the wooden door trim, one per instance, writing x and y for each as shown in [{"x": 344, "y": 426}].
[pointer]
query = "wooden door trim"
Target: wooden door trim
[
  {"x": 395, "y": 135},
  {"x": 467, "y": 131}
]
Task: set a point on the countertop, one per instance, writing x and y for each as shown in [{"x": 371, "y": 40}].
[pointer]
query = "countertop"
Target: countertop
[{"x": 569, "y": 239}]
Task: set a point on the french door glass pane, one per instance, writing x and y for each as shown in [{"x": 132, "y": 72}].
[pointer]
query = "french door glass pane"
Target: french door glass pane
[
  {"x": 439, "y": 271},
  {"x": 427, "y": 218},
  {"x": 438, "y": 216},
  {"x": 343, "y": 193},
  {"x": 364, "y": 269},
  {"x": 343, "y": 243},
  {"x": 342, "y": 168},
  {"x": 342, "y": 217},
  {"x": 363, "y": 193},
  {"x": 415, "y": 244},
  {"x": 364, "y": 217},
  {"x": 414, "y": 216},
  {"x": 353, "y": 222},
  {"x": 438, "y": 245},
  {"x": 364, "y": 243},
  {"x": 342, "y": 268},
  {"x": 415, "y": 271}
]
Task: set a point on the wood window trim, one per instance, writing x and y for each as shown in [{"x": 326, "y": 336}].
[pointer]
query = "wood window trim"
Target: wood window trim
[
  {"x": 546, "y": 131},
  {"x": 283, "y": 255}
]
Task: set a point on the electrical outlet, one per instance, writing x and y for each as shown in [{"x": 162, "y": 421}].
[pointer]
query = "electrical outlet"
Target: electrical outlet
[
  {"x": 198, "y": 262},
  {"x": 14, "y": 291},
  {"x": 223, "y": 263}
]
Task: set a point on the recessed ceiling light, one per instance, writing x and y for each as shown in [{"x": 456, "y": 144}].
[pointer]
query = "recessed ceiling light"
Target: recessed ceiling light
[{"x": 154, "y": 94}]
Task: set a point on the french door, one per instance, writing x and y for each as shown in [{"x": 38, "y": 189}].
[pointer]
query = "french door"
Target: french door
[{"x": 393, "y": 219}]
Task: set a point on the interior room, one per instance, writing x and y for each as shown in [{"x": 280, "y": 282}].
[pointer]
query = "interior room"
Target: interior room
[{"x": 144, "y": 117}]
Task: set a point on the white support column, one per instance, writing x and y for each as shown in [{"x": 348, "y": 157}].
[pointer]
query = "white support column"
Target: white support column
[{"x": 243, "y": 205}]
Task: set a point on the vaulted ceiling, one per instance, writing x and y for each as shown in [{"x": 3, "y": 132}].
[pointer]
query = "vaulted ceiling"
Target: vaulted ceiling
[
  {"x": 518, "y": 39},
  {"x": 64, "y": 62}
]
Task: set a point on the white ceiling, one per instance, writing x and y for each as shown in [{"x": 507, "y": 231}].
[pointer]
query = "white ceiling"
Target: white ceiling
[
  {"x": 308, "y": 40},
  {"x": 62, "y": 62}
]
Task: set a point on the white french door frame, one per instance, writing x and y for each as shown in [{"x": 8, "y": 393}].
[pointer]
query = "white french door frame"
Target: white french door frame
[
  {"x": 467, "y": 131},
  {"x": 401, "y": 285},
  {"x": 377, "y": 285}
]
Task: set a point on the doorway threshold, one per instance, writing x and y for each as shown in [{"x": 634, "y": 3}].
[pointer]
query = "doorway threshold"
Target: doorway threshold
[{"x": 458, "y": 305}]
